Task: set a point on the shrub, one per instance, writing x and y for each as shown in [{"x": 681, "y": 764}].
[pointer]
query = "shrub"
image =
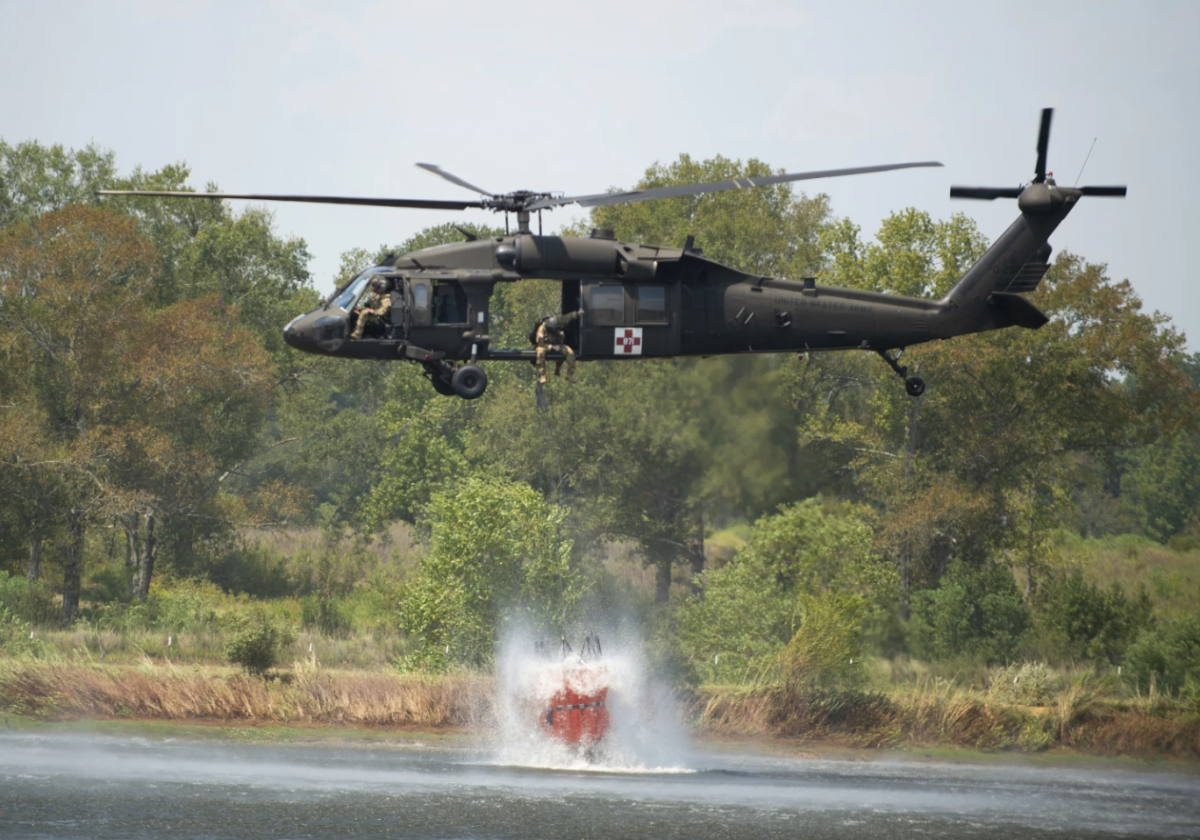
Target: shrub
[
  {"x": 256, "y": 642},
  {"x": 27, "y": 600},
  {"x": 325, "y": 614},
  {"x": 972, "y": 613},
  {"x": 1167, "y": 659},
  {"x": 1089, "y": 622},
  {"x": 826, "y": 652},
  {"x": 1026, "y": 684},
  {"x": 179, "y": 607},
  {"x": 749, "y": 610},
  {"x": 495, "y": 554}
]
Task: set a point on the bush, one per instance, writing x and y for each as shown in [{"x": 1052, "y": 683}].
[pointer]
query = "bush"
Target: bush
[
  {"x": 1026, "y": 684},
  {"x": 826, "y": 652},
  {"x": 256, "y": 642},
  {"x": 973, "y": 613},
  {"x": 1167, "y": 659},
  {"x": 749, "y": 609},
  {"x": 325, "y": 614},
  {"x": 1087, "y": 622},
  {"x": 183, "y": 606},
  {"x": 495, "y": 554},
  {"x": 28, "y": 601}
]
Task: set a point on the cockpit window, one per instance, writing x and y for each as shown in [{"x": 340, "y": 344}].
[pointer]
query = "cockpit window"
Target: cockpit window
[{"x": 354, "y": 289}]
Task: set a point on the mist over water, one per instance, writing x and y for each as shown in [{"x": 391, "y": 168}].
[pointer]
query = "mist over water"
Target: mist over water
[
  {"x": 644, "y": 734},
  {"x": 72, "y": 785}
]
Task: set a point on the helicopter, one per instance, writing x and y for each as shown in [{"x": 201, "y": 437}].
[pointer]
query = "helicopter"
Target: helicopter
[{"x": 648, "y": 301}]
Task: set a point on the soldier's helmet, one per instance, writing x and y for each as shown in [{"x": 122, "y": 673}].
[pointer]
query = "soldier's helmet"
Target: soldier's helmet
[
  {"x": 381, "y": 285},
  {"x": 552, "y": 323}
]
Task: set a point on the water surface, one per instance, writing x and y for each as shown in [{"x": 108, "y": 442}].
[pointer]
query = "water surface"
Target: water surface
[{"x": 92, "y": 786}]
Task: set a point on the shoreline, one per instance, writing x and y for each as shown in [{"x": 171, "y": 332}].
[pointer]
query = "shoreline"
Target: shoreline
[
  {"x": 358, "y": 706},
  {"x": 458, "y": 738}
]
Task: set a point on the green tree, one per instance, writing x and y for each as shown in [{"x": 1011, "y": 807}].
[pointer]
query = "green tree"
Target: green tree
[
  {"x": 978, "y": 465},
  {"x": 496, "y": 554},
  {"x": 972, "y": 613},
  {"x": 70, "y": 304},
  {"x": 1160, "y": 487},
  {"x": 1088, "y": 622},
  {"x": 1166, "y": 658},
  {"x": 754, "y": 606},
  {"x": 37, "y": 179}
]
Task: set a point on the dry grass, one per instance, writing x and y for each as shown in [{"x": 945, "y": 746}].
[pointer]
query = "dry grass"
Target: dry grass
[
  {"x": 932, "y": 712},
  {"x": 357, "y": 651},
  {"x": 308, "y": 693},
  {"x": 1171, "y": 577},
  {"x": 939, "y": 713},
  {"x": 397, "y": 541}
]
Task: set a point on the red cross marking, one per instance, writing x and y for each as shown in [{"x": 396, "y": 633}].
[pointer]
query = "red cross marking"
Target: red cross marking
[{"x": 627, "y": 342}]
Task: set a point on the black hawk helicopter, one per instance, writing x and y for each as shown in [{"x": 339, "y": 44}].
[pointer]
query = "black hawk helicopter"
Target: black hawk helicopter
[{"x": 648, "y": 301}]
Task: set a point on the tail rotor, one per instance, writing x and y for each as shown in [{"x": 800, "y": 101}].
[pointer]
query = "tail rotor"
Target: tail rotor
[{"x": 1040, "y": 176}]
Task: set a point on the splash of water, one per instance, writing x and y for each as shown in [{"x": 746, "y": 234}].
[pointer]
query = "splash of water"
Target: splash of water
[{"x": 644, "y": 734}]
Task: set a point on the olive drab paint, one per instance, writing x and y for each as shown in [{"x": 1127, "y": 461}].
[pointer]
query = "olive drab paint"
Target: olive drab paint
[{"x": 648, "y": 301}]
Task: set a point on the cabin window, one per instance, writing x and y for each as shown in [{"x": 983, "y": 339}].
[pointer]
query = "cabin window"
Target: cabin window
[
  {"x": 449, "y": 303},
  {"x": 420, "y": 296},
  {"x": 651, "y": 304},
  {"x": 608, "y": 305}
]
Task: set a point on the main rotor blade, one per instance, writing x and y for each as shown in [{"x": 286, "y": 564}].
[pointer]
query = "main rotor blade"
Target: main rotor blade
[
  {"x": 1112, "y": 192},
  {"x": 1043, "y": 145},
  {"x": 453, "y": 179},
  {"x": 986, "y": 193},
  {"x": 419, "y": 203},
  {"x": 603, "y": 199}
]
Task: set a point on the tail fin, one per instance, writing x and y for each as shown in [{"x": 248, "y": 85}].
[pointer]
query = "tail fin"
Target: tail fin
[{"x": 988, "y": 295}]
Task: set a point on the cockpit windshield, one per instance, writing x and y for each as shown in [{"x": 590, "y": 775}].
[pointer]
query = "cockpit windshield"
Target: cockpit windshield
[{"x": 354, "y": 289}]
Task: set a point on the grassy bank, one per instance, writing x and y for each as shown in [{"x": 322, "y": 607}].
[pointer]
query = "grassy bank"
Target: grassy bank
[
  {"x": 1079, "y": 718},
  {"x": 304, "y": 694},
  {"x": 930, "y": 714}
]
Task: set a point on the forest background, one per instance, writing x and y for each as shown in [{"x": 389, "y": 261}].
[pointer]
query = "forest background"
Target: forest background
[{"x": 179, "y": 484}]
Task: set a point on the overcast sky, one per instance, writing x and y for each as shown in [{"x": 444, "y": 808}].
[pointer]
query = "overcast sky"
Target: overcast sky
[{"x": 342, "y": 98}]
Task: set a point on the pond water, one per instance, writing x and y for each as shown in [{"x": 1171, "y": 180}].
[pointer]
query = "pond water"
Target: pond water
[{"x": 105, "y": 786}]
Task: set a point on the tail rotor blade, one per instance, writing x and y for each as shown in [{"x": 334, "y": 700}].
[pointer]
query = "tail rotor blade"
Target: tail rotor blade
[
  {"x": 985, "y": 193},
  {"x": 1043, "y": 145}
]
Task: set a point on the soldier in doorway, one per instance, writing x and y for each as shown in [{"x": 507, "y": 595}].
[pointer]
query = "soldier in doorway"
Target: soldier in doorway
[
  {"x": 375, "y": 309},
  {"x": 549, "y": 336}
]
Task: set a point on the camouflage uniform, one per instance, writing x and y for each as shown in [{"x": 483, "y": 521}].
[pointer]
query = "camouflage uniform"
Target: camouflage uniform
[
  {"x": 550, "y": 337},
  {"x": 380, "y": 314}
]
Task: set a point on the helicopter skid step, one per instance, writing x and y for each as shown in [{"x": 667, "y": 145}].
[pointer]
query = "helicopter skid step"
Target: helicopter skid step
[{"x": 530, "y": 355}]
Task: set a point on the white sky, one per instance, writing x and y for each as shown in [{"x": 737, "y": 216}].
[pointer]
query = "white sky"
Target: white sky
[{"x": 342, "y": 98}]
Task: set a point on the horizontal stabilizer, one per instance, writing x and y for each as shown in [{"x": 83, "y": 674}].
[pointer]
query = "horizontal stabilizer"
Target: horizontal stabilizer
[
  {"x": 986, "y": 193},
  {"x": 1021, "y": 311},
  {"x": 1111, "y": 192}
]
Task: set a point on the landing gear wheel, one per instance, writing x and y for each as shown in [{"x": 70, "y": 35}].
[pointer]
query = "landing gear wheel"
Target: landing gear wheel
[
  {"x": 469, "y": 382},
  {"x": 915, "y": 386}
]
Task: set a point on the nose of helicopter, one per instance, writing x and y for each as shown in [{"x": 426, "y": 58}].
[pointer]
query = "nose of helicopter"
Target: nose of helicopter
[{"x": 299, "y": 333}]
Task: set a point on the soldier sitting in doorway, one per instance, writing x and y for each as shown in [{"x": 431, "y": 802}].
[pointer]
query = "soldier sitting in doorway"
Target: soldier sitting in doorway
[
  {"x": 375, "y": 309},
  {"x": 548, "y": 336}
]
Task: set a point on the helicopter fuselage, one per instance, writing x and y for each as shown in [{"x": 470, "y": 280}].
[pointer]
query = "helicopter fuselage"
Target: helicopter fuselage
[{"x": 644, "y": 301}]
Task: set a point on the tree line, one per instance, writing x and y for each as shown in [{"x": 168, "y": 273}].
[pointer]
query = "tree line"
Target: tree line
[{"x": 152, "y": 413}]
